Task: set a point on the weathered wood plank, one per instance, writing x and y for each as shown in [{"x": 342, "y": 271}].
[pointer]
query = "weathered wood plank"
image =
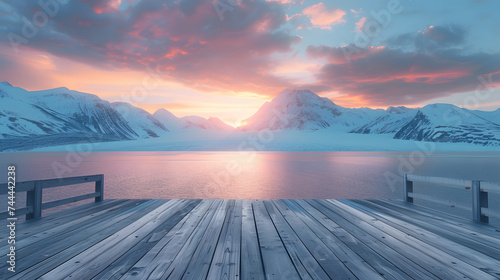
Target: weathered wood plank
[
  {"x": 323, "y": 245},
  {"x": 29, "y": 227},
  {"x": 481, "y": 233},
  {"x": 270, "y": 239},
  {"x": 449, "y": 182},
  {"x": 101, "y": 254},
  {"x": 50, "y": 183},
  {"x": 351, "y": 250},
  {"x": 226, "y": 261},
  {"x": 448, "y": 244},
  {"x": 201, "y": 237},
  {"x": 60, "y": 202},
  {"x": 199, "y": 264},
  {"x": 390, "y": 250},
  {"x": 251, "y": 260},
  {"x": 482, "y": 243},
  {"x": 34, "y": 200},
  {"x": 132, "y": 256},
  {"x": 304, "y": 262},
  {"x": 449, "y": 264},
  {"x": 441, "y": 201},
  {"x": 20, "y": 187},
  {"x": 276, "y": 261},
  {"x": 163, "y": 254},
  {"x": 55, "y": 232},
  {"x": 59, "y": 182},
  {"x": 99, "y": 188},
  {"x": 87, "y": 238},
  {"x": 19, "y": 212},
  {"x": 490, "y": 213},
  {"x": 105, "y": 258},
  {"x": 490, "y": 187}
]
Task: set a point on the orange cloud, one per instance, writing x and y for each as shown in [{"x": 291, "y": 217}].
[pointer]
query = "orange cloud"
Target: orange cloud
[{"x": 322, "y": 17}]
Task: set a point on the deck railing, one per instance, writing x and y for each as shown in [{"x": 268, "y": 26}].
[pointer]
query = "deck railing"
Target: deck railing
[
  {"x": 480, "y": 190},
  {"x": 33, "y": 189}
]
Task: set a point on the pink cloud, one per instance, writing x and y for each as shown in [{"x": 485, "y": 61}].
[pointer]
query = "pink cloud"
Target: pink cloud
[
  {"x": 186, "y": 40},
  {"x": 287, "y": 1},
  {"x": 322, "y": 17},
  {"x": 360, "y": 23},
  {"x": 104, "y": 7},
  {"x": 341, "y": 55},
  {"x": 380, "y": 76}
]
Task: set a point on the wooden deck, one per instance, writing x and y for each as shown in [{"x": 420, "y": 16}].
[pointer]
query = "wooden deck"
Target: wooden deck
[{"x": 253, "y": 239}]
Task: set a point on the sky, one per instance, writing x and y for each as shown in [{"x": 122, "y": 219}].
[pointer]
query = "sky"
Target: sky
[{"x": 225, "y": 58}]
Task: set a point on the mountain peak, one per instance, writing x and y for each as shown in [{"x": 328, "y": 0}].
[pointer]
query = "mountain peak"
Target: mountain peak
[
  {"x": 6, "y": 84},
  {"x": 296, "y": 92},
  {"x": 399, "y": 110},
  {"x": 300, "y": 96},
  {"x": 439, "y": 106},
  {"x": 61, "y": 89},
  {"x": 219, "y": 123},
  {"x": 164, "y": 113},
  {"x": 295, "y": 109}
]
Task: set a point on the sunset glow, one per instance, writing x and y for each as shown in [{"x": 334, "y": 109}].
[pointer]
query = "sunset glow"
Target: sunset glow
[{"x": 192, "y": 59}]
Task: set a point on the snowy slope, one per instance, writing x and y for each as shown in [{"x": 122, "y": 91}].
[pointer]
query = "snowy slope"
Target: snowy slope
[
  {"x": 58, "y": 111},
  {"x": 173, "y": 123},
  {"x": 492, "y": 116},
  {"x": 143, "y": 123},
  {"x": 86, "y": 109},
  {"x": 211, "y": 123},
  {"x": 448, "y": 123},
  {"x": 390, "y": 123},
  {"x": 305, "y": 110},
  {"x": 167, "y": 119},
  {"x": 61, "y": 116}
]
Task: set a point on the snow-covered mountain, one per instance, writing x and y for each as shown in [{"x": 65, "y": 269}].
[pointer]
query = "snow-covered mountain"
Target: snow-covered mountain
[
  {"x": 305, "y": 110},
  {"x": 389, "y": 123},
  {"x": 62, "y": 116},
  {"x": 58, "y": 116},
  {"x": 448, "y": 123},
  {"x": 174, "y": 123},
  {"x": 492, "y": 116},
  {"x": 59, "y": 111},
  {"x": 143, "y": 123}
]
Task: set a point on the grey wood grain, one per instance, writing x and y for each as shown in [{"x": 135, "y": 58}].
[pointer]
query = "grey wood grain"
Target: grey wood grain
[
  {"x": 87, "y": 238},
  {"x": 251, "y": 260},
  {"x": 277, "y": 263},
  {"x": 338, "y": 260},
  {"x": 226, "y": 261},
  {"x": 261, "y": 239},
  {"x": 197, "y": 267},
  {"x": 449, "y": 244},
  {"x": 163, "y": 254},
  {"x": 132, "y": 256},
  {"x": 99, "y": 255},
  {"x": 305, "y": 263},
  {"x": 448, "y": 264}
]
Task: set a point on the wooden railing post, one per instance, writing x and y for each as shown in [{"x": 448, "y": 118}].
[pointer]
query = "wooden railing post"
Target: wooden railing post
[
  {"x": 407, "y": 188},
  {"x": 34, "y": 200},
  {"x": 99, "y": 187},
  {"x": 479, "y": 200}
]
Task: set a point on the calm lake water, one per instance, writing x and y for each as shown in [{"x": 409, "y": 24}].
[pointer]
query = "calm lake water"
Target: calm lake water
[{"x": 264, "y": 175}]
